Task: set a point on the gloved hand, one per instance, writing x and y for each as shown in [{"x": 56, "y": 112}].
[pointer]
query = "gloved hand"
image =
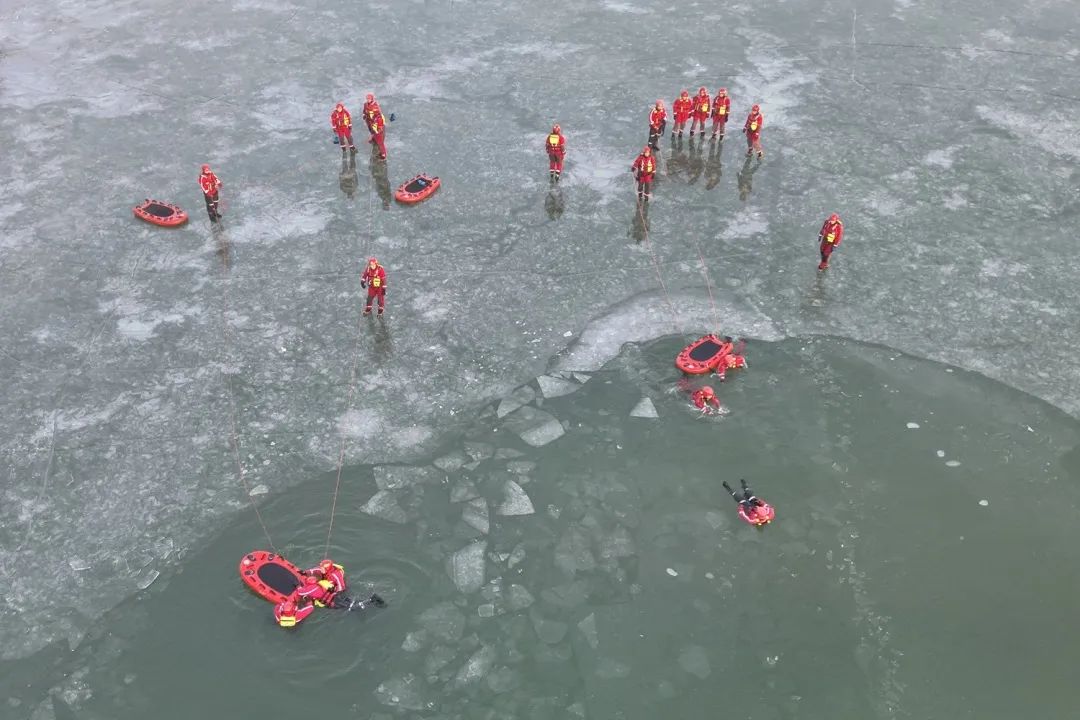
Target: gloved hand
[{"x": 363, "y": 284}]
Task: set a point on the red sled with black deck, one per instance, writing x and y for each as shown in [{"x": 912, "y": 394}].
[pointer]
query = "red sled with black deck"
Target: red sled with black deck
[
  {"x": 160, "y": 213},
  {"x": 704, "y": 355},
  {"x": 270, "y": 576},
  {"x": 419, "y": 188}
]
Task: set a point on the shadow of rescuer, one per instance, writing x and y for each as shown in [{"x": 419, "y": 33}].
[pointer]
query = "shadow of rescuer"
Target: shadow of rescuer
[{"x": 374, "y": 279}]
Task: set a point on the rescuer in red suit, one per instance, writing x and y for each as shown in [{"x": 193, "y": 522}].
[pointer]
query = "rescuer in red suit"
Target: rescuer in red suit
[
  {"x": 374, "y": 279},
  {"x": 754, "y": 122},
  {"x": 721, "y": 107},
  {"x": 555, "y": 144},
  {"x": 209, "y": 183},
  {"x": 705, "y": 400},
  {"x": 341, "y": 121},
  {"x": 657, "y": 121},
  {"x": 311, "y": 590},
  {"x": 288, "y": 614},
  {"x": 644, "y": 168},
  {"x": 832, "y": 232},
  {"x": 682, "y": 107},
  {"x": 330, "y": 575},
  {"x": 702, "y": 110}
]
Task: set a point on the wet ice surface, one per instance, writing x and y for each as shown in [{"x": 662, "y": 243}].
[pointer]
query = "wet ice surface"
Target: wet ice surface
[
  {"x": 129, "y": 347},
  {"x": 644, "y": 592}
]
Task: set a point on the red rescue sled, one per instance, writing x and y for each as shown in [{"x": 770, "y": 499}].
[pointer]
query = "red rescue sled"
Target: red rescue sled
[
  {"x": 269, "y": 575},
  {"x": 419, "y": 188},
  {"x": 160, "y": 213},
  {"x": 709, "y": 354},
  {"x": 763, "y": 514}
]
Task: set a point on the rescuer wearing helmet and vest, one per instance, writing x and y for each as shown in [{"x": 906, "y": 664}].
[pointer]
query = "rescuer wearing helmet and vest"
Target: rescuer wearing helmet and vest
[
  {"x": 288, "y": 614},
  {"x": 705, "y": 400},
  {"x": 657, "y": 121},
  {"x": 555, "y": 144},
  {"x": 702, "y": 110},
  {"x": 831, "y": 234},
  {"x": 644, "y": 168},
  {"x": 330, "y": 575},
  {"x": 209, "y": 183},
  {"x": 374, "y": 279},
  {"x": 376, "y": 124},
  {"x": 721, "y": 107},
  {"x": 754, "y": 122},
  {"x": 681, "y": 109},
  {"x": 341, "y": 121}
]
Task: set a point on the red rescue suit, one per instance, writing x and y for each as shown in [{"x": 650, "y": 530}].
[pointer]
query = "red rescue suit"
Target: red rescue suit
[
  {"x": 704, "y": 399},
  {"x": 331, "y": 578},
  {"x": 702, "y": 110},
  {"x": 377, "y": 126},
  {"x": 312, "y": 591},
  {"x": 556, "y": 150},
  {"x": 374, "y": 279},
  {"x": 209, "y": 183},
  {"x": 754, "y": 122},
  {"x": 721, "y": 106},
  {"x": 832, "y": 232},
  {"x": 644, "y": 168},
  {"x": 288, "y": 614},
  {"x": 681, "y": 109},
  {"x": 657, "y": 121},
  {"x": 371, "y": 109},
  {"x": 341, "y": 121}
]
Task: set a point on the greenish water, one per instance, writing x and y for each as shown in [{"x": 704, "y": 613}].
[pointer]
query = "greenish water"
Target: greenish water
[{"x": 884, "y": 588}]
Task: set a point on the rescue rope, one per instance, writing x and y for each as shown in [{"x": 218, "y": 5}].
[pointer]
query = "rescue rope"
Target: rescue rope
[
  {"x": 656, "y": 265},
  {"x": 234, "y": 437},
  {"x": 708, "y": 286},
  {"x": 352, "y": 382}
]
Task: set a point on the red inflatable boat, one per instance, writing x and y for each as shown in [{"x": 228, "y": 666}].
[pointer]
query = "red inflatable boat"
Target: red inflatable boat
[
  {"x": 763, "y": 514},
  {"x": 160, "y": 213},
  {"x": 419, "y": 188},
  {"x": 269, "y": 575},
  {"x": 710, "y": 354}
]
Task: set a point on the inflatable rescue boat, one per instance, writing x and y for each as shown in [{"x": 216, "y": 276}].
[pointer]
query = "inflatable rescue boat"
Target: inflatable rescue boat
[
  {"x": 710, "y": 354},
  {"x": 419, "y": 188},
  {"x": 160, "y": 213},
  {"x": 270, "y": 576}
]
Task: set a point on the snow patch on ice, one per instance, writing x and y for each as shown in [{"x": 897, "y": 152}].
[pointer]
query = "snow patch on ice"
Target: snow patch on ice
[
  {"x": 625, "y": 7},
  {"x": 941, "y": 157}
]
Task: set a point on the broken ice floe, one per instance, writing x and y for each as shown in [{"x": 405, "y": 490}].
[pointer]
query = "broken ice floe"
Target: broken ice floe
[
  {"x": 515, "y": 500},
  {"x": 384, "y": 505},
  {"x": 552, "y": 387},
  {"x": 466, "y": 567},
  {"x": 644, "y": 409},
  {"x": 475, "y": 515},
  {"x": 522, "y": 396},
  {"x": 535, "y": 427}
]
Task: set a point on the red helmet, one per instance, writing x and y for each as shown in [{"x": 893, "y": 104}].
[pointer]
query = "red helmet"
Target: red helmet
[
  {"x": 373, "y": 262},
  {"x": 702, "y": 90},
  {"x": 370, "y": 98},
  {"x": 341, "y": 105},
  {"x": 834, "y": 217},
  {"x": 310, "y": 580},
  {"x": 755, "y": 108},
  {"x": 205, "y": 168},
  {"x": 647, "y": 150},
  {"x": 722, "y": 91},
  {"x": 555, "y": 128},
  {"x": 288, "y": 607},
  {"x": 685, "y": 93},
  {"x": 708, "y": 391},
  {"x": 326, "y": 564}
]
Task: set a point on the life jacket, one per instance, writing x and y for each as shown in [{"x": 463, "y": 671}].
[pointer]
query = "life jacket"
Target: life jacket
[
  {"x": 553, "y": 141},
  {"x": 703, "y": 103},
  {"x": 287, "y": 620}
]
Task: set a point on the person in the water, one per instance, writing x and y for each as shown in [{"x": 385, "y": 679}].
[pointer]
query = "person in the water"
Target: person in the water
[
  {"x": 330, "y": 575},
  {"x": 705, "y": 400},
  {"x": 288, "y": 614},
  {"x": 750, "y": 503}
]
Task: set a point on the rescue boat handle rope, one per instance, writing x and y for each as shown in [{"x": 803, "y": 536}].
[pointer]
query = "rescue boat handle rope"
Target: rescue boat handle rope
[
  {"x": 352, "y": 381},
  {"x": 234, "y": 435},
  {"x": 656, "y": 265},
  {"x": 708, "y": 286}
]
